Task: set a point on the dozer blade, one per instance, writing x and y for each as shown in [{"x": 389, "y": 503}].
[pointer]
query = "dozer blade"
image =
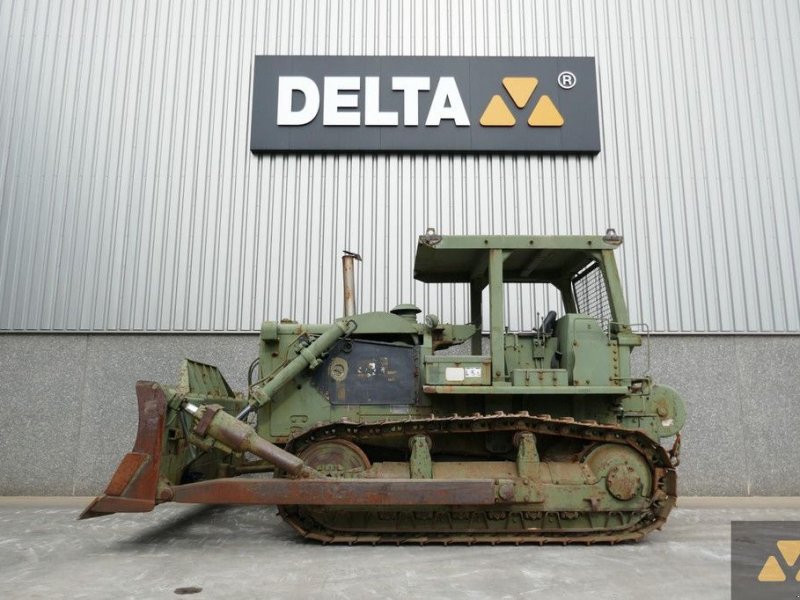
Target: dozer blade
[{"x": 134, "y": 484}]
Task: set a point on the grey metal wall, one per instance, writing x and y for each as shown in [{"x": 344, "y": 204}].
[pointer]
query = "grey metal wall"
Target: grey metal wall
[{"x": 130, "y": 200}]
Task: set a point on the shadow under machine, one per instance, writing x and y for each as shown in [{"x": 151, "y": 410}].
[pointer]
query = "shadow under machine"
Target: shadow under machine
[{"x": 370, "y": 430}]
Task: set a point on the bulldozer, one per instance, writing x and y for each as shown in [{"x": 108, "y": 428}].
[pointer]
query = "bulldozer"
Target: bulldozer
[{"x": 385, "y": 428}]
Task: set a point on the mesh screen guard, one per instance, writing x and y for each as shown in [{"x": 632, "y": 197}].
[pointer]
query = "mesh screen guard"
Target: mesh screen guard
[{"x": 591, "y": 296}]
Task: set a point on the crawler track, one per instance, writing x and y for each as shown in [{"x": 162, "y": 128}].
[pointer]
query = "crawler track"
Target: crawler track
[{"x": 506, "y": 523}]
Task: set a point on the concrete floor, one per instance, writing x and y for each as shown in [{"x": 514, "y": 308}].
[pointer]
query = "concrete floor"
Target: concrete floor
[{"x": 247, "y": 552}]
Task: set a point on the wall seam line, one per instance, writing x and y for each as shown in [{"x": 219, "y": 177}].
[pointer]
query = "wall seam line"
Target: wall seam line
[{"x": 83, "y": 394}]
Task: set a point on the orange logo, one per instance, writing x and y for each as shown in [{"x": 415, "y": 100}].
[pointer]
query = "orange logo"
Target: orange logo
[
  {"x": 520, "y": 89},
  {"x": 772, "y": 571}
]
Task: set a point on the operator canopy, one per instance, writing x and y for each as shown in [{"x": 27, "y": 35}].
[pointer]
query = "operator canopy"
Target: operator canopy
[{"x": 529, "y": 259}]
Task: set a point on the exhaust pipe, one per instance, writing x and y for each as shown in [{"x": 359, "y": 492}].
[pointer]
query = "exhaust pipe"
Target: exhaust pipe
[{"x": 348, "y": 271}]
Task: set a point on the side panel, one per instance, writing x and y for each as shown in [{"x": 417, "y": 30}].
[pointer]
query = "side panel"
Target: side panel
[
  {"x": 585, "y": 351},
  {"x": 358, "y": 372}
]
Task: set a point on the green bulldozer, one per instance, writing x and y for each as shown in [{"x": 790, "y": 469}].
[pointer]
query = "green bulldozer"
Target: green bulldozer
[{"x": 382, "y": 427}]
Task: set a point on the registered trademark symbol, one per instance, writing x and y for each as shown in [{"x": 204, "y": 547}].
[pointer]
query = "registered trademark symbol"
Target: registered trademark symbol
[{"x": 567, "y": 80}]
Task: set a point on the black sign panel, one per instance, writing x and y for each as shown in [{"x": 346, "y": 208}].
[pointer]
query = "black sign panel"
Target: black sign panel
[
  {"x": 765, "y": 559},
  {"x": 359, "y": 372},
  {"x": 424, "y": 104}
]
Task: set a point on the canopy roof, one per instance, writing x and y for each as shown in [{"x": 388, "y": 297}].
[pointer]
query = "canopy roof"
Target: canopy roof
[{"x": 463, "y": 258}]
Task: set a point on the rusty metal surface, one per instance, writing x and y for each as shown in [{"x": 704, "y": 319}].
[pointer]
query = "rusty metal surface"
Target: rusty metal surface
[
  {"x": 349, "y": 287},
  {"x": 106, "y": 505},
  {"x": 338, "y": 492},
  {"x": 516, "y": 521},
  {"x": 134, "y": 484},
  {"x": 127, "y": 469},
  {"x": 336, "y": 458},
  {"x": 508, "y": 516}
]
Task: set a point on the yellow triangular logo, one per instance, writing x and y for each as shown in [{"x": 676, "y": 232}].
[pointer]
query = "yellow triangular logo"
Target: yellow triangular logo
[
  {"x": 790, "y": 549},
  {"x": 497, "y": 114},
  {"x": 520, "y": 89},
  {"x": 545, "y": 114},
  {"x": 771, "y": 571}
]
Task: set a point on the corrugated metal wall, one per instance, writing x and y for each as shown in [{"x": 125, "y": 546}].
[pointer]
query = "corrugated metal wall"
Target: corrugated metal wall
[{"x": 130, "y": 200}]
